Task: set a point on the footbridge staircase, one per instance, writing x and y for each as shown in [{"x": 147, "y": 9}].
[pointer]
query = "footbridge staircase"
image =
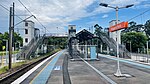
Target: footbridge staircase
[
  {"x": 123, "y": 52},
  {"x": 29, "y": 50}
]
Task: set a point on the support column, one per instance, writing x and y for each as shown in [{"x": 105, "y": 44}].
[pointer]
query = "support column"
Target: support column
[
  {"x": 101, "y": 48},
  {"x": 147, "y": 52},
  {"x": 11, "y": 29},
  {"x": 107, "y": 50},
  {"x": 86, "y": 50},
  {"x": 97, "y": 49}
]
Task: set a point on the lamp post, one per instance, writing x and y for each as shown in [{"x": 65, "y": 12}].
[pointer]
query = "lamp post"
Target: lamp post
[
  {"x": 147, "y": 51},
  {"x": 130, "y": 47},
  {"x": 118, "y": 73}
]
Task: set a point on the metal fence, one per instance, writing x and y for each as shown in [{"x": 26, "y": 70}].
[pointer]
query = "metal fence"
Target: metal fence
[{"x": 140, "y": 57}]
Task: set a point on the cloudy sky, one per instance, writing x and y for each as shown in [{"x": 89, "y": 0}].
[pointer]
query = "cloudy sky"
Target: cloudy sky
[{"x": 56, "y": 15}]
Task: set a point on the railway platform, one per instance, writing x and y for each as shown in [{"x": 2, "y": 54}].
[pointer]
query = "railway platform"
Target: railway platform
[{"x": 60, "y": 69}]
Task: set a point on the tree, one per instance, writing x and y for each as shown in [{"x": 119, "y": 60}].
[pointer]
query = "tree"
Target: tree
[
  {"x": 17, "y": 37},
  {"x": 134, "y": 27},
  {"x": 1, "y": 41},
  {"x": 59, "y": 42},
  {"x": 131, "y": 27},
  {"x": 139, "y": 28},
  {"x": 137, "y": 39},
  {"x": 97, "y": 29},
  {"x": 147, "y": 28},
  {"x": 6, "y": 36}
]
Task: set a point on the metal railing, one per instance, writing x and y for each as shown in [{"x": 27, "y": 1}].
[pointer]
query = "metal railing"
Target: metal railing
[
  {"x": 24, "y": 50},
  {"x": 30, "y": 49},
  {"x": 123, "y": 52},
  {"x": 105, "y": 40},
  {"x": 37, "y": 45},
  {"x": 141, "y": 57}
]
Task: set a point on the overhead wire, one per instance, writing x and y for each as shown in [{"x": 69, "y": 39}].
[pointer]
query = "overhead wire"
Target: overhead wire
[
  {"x": 33, "y": 15},
  {"x": 48, "y": 30},
  {"x": 8, "y": 11},
  {"x": 4, "y": 7},
  {"x": 142, "y": 19},
  {"x": 139, "y": 15},
  {"x": 25, "y": 7},
  {"x": 20, "y": 17},
  {"x": 16, "y": 16}
]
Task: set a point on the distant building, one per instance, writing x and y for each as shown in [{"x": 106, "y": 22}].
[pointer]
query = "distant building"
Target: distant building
[
  {"x": 72, "y": 30},
  {"x": 72, "y": 33},
  {"x": 30, "y": 32},
  {"x": 113, "y": 34},
  {"x": 36, "y": 33}
]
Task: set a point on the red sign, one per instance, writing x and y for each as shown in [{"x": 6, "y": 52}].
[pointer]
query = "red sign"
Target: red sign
[{"x": 119, "y": 26}]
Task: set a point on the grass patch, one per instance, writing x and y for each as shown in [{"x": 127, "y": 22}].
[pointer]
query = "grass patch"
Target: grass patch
[
  {"x": 4, "y": 52},
  {"x": 14, "y": 65},
  {"x": 19, "y": 64},
  {"x": 4, "y": 69}
]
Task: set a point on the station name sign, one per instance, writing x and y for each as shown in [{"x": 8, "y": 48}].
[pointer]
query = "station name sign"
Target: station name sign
[{"x": 119, "y": 26}]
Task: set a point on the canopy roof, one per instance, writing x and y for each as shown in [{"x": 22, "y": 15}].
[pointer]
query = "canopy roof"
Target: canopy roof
[{"x": 84, "y": 35}]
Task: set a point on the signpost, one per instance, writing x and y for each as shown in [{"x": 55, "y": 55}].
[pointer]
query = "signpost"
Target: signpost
[
  {"x": 115, "y": 28},
  {"x": 119, "y": 26}
]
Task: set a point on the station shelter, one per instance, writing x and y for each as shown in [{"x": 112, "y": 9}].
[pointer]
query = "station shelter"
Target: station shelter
[{"x": 83, "y": 42}]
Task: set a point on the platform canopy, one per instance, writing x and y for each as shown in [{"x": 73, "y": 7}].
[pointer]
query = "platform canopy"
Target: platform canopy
[{"x": 84, "y": 35}]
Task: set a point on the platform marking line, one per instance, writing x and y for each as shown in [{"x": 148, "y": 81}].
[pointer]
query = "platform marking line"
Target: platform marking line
[
  {"x": 100, "y": 73},
  {"x": 43, "y": 75},
  {"x": 24, "y": 76},
  {"x": 127, "y": 61},
  {"x": 40, "y": 71}
]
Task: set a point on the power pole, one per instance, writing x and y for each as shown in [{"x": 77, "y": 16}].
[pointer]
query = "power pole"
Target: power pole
[
  {"x": 11, "y": 31},
  {"x": 13, "y": 23}
]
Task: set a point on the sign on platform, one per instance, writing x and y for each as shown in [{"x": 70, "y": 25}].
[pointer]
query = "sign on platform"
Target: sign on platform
[
  {"x": 3, "y": 47},
  {"x": 57, "y": 67},
  {"x": 93, "y": 52},
  {"x": 119, "y": 26}
]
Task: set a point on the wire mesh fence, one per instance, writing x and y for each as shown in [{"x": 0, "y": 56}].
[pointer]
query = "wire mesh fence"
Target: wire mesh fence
[{"x": 140, "y": 57}]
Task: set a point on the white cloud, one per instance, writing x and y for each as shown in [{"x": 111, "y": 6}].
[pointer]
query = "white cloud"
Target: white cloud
[
  {"x": 59, "y": 13},
  {"x": 147, "y": 5},
  {"x": 55, "y": 13},
  {"x": 105, "y": 16},
  {"x": 122, "y": 2}
]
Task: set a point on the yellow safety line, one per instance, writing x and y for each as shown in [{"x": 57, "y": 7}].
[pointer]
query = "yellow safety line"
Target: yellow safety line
[{"x": 40, "y": 72}]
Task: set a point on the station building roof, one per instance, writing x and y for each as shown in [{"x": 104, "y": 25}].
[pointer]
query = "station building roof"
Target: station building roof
[{"x": 84, "y": 35}]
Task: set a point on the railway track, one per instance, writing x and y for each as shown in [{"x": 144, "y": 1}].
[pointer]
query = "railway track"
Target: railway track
[{"x": 13, "y": 76}]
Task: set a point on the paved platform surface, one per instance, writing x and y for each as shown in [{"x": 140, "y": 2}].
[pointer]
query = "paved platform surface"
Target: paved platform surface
[
  {"x": 140, "y": 75},
  {"x": 56, "y": 76},
  {"x": 80, "y": 73},
  {"x": 62, "y": 70}
]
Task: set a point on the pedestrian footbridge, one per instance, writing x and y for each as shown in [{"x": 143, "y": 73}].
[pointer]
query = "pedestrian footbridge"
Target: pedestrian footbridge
[{"x": 83, "y": 37}]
